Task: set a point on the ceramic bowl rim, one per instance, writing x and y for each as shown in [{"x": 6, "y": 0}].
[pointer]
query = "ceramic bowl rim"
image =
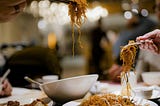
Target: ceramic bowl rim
[{"x": 76, "y": 77}]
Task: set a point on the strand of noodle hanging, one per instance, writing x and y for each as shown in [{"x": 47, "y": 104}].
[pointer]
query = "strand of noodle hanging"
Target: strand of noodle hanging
[
  {"x": 127, "y": 55},
  {"x": 77, "y": 10}
]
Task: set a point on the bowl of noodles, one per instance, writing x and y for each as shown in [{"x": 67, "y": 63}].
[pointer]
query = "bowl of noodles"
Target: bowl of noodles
[{"x": 67, "y": 89}]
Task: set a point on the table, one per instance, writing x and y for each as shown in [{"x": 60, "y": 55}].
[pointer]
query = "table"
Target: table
[
  {"x": 23, "y": 95},
  {"x": 26, "y": 96}
]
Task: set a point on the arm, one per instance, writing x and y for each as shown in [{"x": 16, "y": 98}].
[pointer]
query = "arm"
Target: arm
[{"x": 10, "y": 9}]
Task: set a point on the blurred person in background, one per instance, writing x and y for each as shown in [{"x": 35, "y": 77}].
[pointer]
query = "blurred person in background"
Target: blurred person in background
[
  {"x": 8, "y": 10},
  {"x": 100, "y": 58},
  {"x": 149, "y": 57},
  {"x": 136, "y": 26},
  {"x": 34, "y": 62}
]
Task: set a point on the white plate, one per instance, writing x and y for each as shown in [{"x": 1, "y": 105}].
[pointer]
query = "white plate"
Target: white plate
[
  {"x": 23, "y": 95},
  {"x": 73, "y": 103},
  {"x": 142, "y": 102}
]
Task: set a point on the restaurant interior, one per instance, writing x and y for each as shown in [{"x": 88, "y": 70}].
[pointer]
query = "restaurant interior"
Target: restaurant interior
[
  {"x": 46, "y": 24},
  {"x": 43, "y": 19}
]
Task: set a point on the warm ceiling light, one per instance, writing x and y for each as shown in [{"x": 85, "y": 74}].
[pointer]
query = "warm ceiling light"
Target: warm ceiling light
[
  {"x": 144, "y": 12},
  {"x": 128, "y": 15}
]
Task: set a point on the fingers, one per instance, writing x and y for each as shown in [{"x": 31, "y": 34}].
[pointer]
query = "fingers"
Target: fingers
[
  {"x": 10, "y": 9},
  {"x": 114, "y": 73},
  {"x": 116, "y": 76},
  {"x": 113, "y": 69},
  {"x": 150, "y": 35},
  {"x": 149, "y": 45},
  {"x": 7, "y": 88},
  {"x": 151, "y": 41},
  {"x": 18, "y": 8},
  {"x": 11, "y": 2},
  {"x": 22, "y": 6},
  {"x": 9, "y": 12}
]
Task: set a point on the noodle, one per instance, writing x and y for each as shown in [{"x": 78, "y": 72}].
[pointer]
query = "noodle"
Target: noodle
[
  {"x": 107, "y": 100},
  {"x": 127, "y": 55},
  {"x": 77, "y": 9}
]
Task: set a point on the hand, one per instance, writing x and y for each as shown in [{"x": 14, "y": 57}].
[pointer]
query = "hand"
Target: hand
[
  {"x": 6, "y": 88},
  {"x": 10, "y": 9},
  {"x": 114, "y": 72},
  {"x": 152, "y": 41}
]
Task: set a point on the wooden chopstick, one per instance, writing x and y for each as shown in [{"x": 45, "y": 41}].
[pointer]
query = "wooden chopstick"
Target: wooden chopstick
[{"x": 4, "y": 76}]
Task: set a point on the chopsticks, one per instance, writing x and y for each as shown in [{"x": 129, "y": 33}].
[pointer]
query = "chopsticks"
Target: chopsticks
[
  {"x": 4, "y": 76},
  {"x": 132, "y": 44},
  {"x": 136, "y": 43},
  {"x": 31, "y": 80}
]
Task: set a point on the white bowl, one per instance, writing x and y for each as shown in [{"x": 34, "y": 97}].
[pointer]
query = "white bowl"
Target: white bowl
[
  {"x": 49, "y": 78},
  {"x": 151, "y": 78},
  {"x": 68, "y": 89},
  {"x": 143, "y": 92}
]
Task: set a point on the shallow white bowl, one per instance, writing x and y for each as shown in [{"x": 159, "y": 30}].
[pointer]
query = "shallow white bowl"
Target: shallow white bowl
[
  {"x": 151, "y": 78},
  {"x": 68, "y": 89}
]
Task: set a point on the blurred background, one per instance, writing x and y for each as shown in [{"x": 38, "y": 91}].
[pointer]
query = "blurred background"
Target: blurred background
[{"x": 47, "y": 24}]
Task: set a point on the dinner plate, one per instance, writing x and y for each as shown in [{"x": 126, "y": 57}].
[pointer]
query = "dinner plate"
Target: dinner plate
[
  {"x": 143, "y": 102},
  {"x": 23, "y": 95}
]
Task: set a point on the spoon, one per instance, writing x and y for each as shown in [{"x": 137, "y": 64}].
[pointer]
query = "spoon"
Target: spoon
[
  {"x": 4, "y": 76},
  {"x": 45, "y": 99},
  {"x": 31, "y": 80}
]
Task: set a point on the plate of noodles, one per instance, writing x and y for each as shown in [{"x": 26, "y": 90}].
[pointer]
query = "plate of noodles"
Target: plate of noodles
[{"x": 111, "y": 100}]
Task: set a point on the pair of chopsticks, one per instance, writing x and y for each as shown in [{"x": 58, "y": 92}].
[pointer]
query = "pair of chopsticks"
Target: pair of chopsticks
[
  {"x": 136, "y": 43},
  {"x": 4, "y": 76},
  {"x": 132, "y": 44}
]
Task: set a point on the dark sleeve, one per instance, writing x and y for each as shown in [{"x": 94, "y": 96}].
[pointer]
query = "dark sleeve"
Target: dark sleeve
[{"x": 145, "y": 26}]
